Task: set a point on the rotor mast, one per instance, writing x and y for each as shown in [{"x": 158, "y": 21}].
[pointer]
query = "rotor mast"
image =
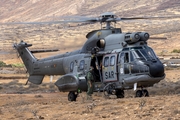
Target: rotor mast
[{"x": 107, "y": 18}]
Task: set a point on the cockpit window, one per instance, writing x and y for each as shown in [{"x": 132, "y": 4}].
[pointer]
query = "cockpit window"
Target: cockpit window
[
  {"x": 137, "y": 55},
  {"x": 125, "y": 49},
  {"x": 146, "y": 54},
  {"x": 126, "y": 57},
  {"x": 142, "y": 54},
  {"x": 136, "y": 48},
  {"x": 131, "y": 56},
  {"x": 151, "y": 52},
  {"x": 121, "y": 58}
]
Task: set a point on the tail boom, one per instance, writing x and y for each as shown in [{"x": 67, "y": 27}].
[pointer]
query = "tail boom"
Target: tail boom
[{"x": 29, "y": 60}]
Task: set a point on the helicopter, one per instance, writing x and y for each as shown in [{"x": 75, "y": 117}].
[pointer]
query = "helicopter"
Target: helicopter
[{"x": 121, "y": 61}]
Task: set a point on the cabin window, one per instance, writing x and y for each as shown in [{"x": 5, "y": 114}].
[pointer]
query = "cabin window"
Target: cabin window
[
  {"x": 71, "y": 66},
  {"x": 106, "y": 61},
  {"x": 81, "y": 65},
  {"x": 112, "y": 60}
]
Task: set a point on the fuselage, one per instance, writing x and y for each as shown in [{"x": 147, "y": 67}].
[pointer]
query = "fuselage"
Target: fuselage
[
  {"x": 122, "y": 58},
  {"x": 124, "y": 66}
]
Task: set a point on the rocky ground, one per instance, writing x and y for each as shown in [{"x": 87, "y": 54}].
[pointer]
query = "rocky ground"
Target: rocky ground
[{"x": 26, "y": 102}]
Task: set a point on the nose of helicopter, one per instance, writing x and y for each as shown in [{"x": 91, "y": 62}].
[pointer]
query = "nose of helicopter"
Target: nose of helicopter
[{"x": 156, "y": 69}]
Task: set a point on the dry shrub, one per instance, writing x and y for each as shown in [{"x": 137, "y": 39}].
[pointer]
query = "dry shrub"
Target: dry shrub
[
  {"x": 44, "y": 85},
  {"x": 51, "y": 86},
  {"x": 38, "y": 96},
  {"x": 177, "y": 88},
  {"x": 168, "y": 68},
  {"x": 176, "y": 112},
  {"x": 165, "y": 88},
  {"x": 31, "y": 85},
  {"x": 13, "y": 82}
]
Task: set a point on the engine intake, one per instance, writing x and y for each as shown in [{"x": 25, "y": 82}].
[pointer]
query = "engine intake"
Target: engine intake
[
  {"x": 143, "y": 36},
  {"x": 135, "y": 37},
  {"x": 131, "y": 37}
]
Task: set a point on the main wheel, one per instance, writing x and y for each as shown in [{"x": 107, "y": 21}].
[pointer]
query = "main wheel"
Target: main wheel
[
  {"x": 145, "y": 93},
  {"x": 109, "y": 89},
  {"x": 120, "y": 93},
  {"x": 72, "y": 96},
  {"x": 139, "y": 93}
]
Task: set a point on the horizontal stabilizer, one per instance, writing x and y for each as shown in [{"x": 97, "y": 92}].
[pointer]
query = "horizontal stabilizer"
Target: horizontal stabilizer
[
  {"x": 36, "y": 79},
  {"x": 47, "y": 50}
]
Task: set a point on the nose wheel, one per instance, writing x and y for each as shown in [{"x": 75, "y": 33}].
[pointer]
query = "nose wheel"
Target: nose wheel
[
  {"x": 72, "y": 96},
  {"x": 142, "y": 93}
]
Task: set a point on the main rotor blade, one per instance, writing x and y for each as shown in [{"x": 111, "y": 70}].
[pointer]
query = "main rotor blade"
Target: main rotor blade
[
  {"x": 136, "y": 18},
  {"x": 14, "y": 23},
  {"x": 82, "y": 18},
  {"x": 54, "y": 22},
  {"x": 49, "y": 22},
  {"x": 90, "y": 20}
]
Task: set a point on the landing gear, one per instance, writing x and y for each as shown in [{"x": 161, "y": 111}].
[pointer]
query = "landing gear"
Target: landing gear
[
  {"x": 142, "y": 93},
  {"x": 139, "y": 93},
  {"x": 145, "y": 93},
  {"x": 120, "y": 93},
  {"x": 110, "y": 89},
  {"x": 72, "y": 96}
]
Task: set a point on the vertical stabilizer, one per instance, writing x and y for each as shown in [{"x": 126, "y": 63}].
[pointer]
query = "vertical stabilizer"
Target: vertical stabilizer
[{"x": 26, "y": 55}]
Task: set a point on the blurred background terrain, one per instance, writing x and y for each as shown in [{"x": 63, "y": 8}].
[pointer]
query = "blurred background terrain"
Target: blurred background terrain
[{"x": 67, "y": 38}]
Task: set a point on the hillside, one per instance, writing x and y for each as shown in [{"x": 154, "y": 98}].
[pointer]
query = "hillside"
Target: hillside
[
  {"x": 60, "y": 36},
  {"x": 39, "y": 10}
]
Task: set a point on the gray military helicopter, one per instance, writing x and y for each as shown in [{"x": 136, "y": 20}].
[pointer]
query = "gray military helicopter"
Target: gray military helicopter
[{"x": 121, "y": 61}]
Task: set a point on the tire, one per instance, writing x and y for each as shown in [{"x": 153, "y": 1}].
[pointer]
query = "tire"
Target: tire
[
  {"x": 72, "y": 96},
  {"x": 139, "y": 93},
  {"x": 145, "y": 93},
  {"x": 120, "y": 93}
]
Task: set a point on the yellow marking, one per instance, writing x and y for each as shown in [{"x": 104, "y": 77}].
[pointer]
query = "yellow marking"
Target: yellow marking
[
  {"x": 112, "y": 68},
  {"x": 99, "y": 34},
  {"x": 92, "y": 56}
]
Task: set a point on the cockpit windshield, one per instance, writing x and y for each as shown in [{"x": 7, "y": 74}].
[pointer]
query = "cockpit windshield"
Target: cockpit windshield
[{"x": 143, "y": 53}]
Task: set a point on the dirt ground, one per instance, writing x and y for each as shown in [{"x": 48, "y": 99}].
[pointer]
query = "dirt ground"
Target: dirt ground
[{"x": 29, "y": 102}]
